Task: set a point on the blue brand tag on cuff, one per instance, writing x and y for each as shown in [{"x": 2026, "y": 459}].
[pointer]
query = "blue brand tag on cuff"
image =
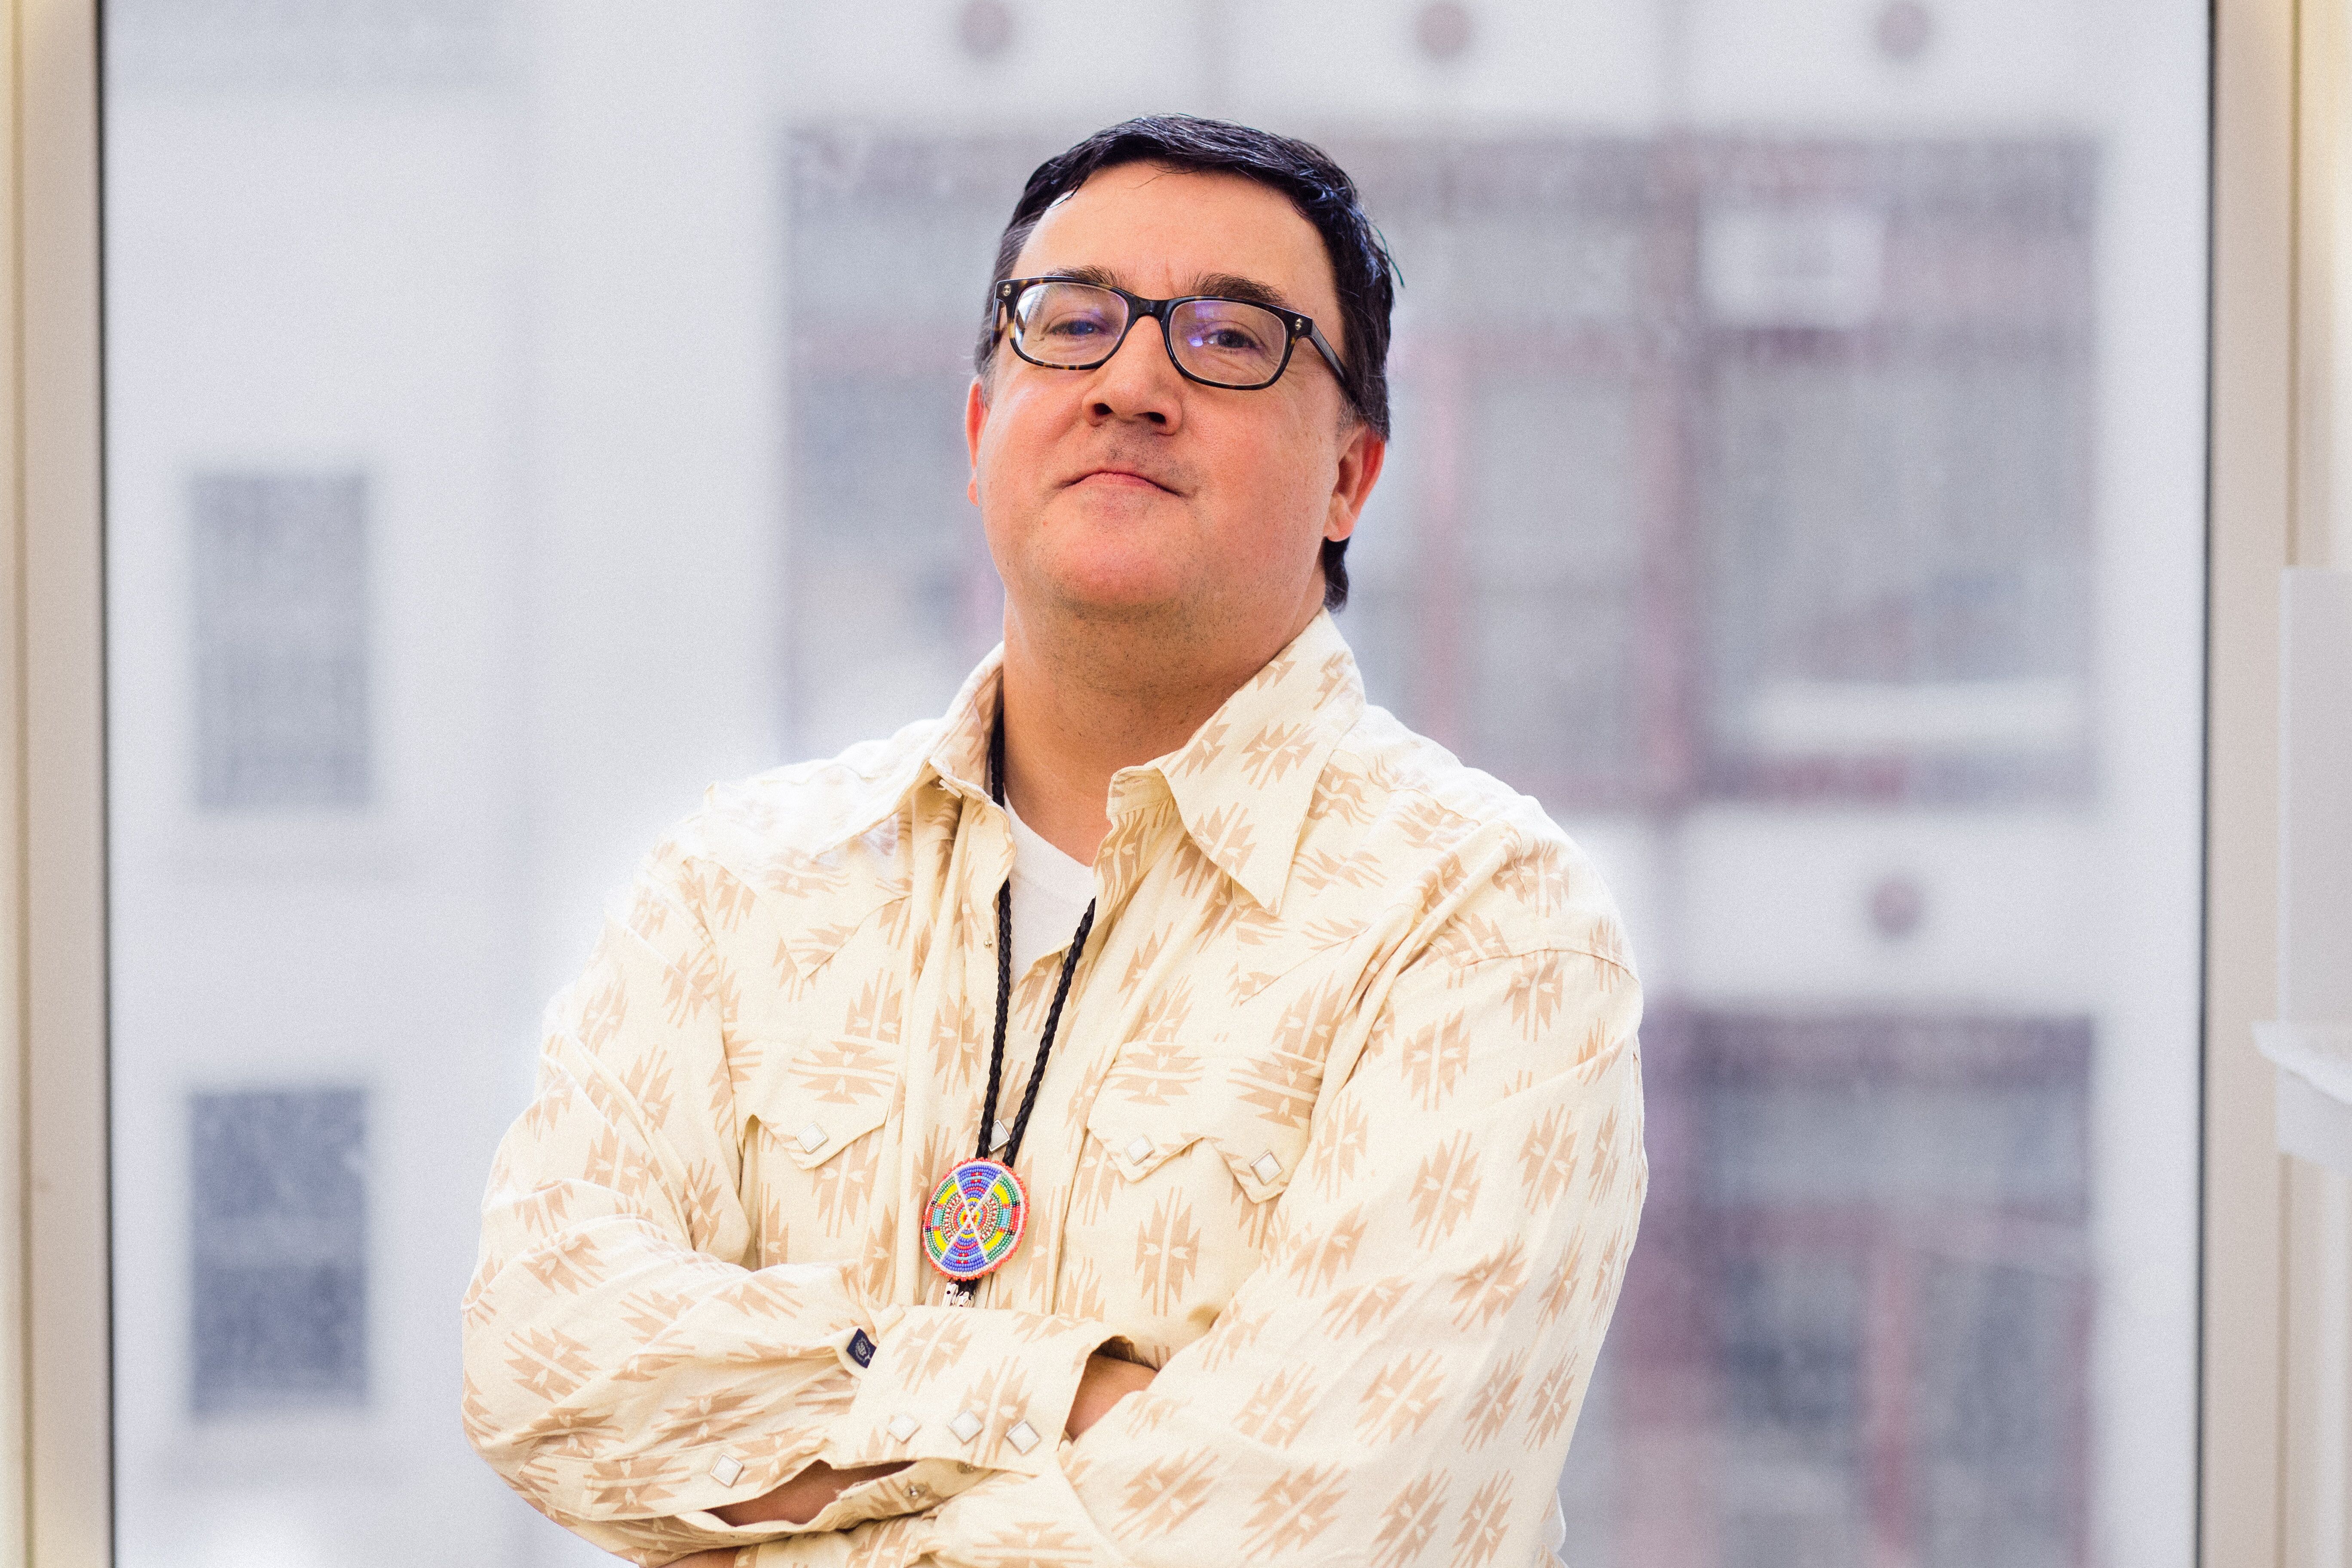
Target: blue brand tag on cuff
[{"x": 861, "y": 1348}]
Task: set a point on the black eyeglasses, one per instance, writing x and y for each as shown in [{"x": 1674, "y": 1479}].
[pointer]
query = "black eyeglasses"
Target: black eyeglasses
[{"x": 1064, "y": 324}]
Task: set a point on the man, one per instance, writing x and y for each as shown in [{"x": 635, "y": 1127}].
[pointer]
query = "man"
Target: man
[{"x": 1306, "y": 1055}]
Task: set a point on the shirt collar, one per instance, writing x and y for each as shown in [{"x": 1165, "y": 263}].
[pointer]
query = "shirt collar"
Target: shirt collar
[
  {"x": 1245, "y": 780},
  {"x": 1242, "y": 786}
]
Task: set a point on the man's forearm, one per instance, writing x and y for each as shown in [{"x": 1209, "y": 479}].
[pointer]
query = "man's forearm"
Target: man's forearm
[
  {"x": 1107, "y": 1380},
  {"x": 803, "y": 1497}
]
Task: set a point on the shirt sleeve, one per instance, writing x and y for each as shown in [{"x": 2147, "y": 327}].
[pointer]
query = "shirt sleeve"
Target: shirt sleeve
[
  {"x": 627, "y": 1368},
  {"x": 1398, "y": 1381}
]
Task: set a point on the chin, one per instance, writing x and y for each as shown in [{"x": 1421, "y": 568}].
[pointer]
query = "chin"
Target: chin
[
  {"x": 1121, "y": 581},
  {"x": 1119, "y": 595},
  {"x": 1119, "y": 564}
]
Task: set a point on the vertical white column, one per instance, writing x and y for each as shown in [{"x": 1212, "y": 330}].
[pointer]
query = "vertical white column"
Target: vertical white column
[
  {"x": 2315, "y": 985},
  {"x": 2149, "y": 487},
  {"x": 2315, "y": 979},
  {"x": 2316, "y": 802},
  {"x": 652, "y": 420}
]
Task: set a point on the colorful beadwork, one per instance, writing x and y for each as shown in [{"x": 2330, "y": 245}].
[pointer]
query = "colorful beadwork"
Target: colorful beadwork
[{"x": 975, "y": 1219}]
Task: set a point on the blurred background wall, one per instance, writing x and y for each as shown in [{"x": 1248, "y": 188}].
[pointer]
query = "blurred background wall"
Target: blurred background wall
[{"x": 1803, "y": 399}]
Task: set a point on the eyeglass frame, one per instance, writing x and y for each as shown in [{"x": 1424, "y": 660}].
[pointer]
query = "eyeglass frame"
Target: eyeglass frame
[{"x": 1138, "y": 307}]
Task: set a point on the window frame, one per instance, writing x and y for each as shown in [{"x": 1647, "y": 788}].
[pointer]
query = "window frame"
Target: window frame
[
  {"x": 56, "y": 1488},
  {"x": 57, "y": 1495},
  {"x": 2244, "y": 1500}
]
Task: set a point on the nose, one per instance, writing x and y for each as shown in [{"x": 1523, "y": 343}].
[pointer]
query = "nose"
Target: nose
[{"x": 1138, "y": 382}]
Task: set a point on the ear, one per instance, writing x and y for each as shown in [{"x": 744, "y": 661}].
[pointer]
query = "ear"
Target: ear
[
  {"x": 1359, "y": 471},
  {"x": 975, "y": 418}
]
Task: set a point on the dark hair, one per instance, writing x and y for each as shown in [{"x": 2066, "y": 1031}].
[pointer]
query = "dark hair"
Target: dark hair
[{"x": 1316, "y": 186}]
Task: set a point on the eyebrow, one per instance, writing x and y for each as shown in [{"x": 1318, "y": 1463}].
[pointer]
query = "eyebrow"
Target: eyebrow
[{"x": 1222, "y": 285}]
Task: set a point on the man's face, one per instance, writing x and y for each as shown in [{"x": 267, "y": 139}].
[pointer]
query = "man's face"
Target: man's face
[{"x": 1127, "y": 491}]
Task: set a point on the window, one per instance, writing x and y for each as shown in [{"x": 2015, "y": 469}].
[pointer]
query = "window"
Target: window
[
  {"x": 1867, "y": 1267},
  {"x": 278, "y": 1238},
  {"x": 281, "y": 671},
  {"x": 1792, "y": 491}
]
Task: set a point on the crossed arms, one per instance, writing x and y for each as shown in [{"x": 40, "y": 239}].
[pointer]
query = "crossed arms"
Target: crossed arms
[{"x": 1402, "y": 1369}]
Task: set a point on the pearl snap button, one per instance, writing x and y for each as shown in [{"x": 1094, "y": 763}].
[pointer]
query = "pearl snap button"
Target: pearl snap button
[
  {"x": 1022, "y": 1435},
  {"x": 1266, "y": 1166},
  {"x": 999, "y": 1134},
  {"x": 903, "y": 1427},
  {"x": 727, "y": 1469},
  {"x": 813, "y": 1138},
  {"x": 966, "y": 1427},
  {"x": 1139, "y": 1147}
]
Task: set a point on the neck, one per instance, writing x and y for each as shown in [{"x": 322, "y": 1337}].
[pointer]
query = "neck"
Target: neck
[{"x": 1086, "y": 698}]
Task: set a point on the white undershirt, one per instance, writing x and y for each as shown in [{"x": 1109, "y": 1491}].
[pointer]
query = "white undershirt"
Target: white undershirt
[{"x": 1050, "y": 893}]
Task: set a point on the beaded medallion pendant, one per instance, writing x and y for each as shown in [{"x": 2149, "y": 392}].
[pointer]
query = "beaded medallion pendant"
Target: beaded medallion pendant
[{"x": 975, "y": 1219}]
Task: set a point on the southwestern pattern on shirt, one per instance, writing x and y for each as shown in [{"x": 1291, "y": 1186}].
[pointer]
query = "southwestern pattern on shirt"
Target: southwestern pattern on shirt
[{"x": 1342, "y": 1133}]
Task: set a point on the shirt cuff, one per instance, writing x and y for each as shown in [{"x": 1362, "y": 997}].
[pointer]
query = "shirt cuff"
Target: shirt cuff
[
  {"x": 917, "y": 1489},
  {"x": 972, "y": 1386}
]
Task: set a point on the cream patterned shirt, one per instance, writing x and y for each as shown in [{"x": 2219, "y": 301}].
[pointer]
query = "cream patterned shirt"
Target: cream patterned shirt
[{"x": 1341, "y": 1133}]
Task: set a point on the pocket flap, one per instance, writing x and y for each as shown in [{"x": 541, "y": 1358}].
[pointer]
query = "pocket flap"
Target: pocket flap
[
  {"x": 809, "y": 1135},
  {"x": 815, "y": 1098},
  {"x": 1139, "y": 1139},
  {"x": 1262, "y": 1161}
]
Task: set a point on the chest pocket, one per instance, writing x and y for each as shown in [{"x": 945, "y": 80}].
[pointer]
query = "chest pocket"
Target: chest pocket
[
  {"x": 816, "y": 1154},
  {"x": 816, "y": 1098},
  {"x": 1253, "y": 1109}
]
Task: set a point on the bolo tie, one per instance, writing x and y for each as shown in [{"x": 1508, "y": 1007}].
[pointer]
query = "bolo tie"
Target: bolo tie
[{"x": 979, "y": 1210}]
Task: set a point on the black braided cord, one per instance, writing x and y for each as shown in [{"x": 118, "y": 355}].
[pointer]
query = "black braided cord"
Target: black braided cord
[{"x": 1004, "y": 980}]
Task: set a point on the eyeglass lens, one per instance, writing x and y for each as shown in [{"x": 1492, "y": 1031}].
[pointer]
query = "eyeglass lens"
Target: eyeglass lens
[{"x": 1228, "y": 342}]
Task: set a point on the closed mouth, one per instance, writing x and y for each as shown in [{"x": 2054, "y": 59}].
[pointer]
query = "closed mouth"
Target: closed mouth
[{"x": 1121, "y": 475}]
